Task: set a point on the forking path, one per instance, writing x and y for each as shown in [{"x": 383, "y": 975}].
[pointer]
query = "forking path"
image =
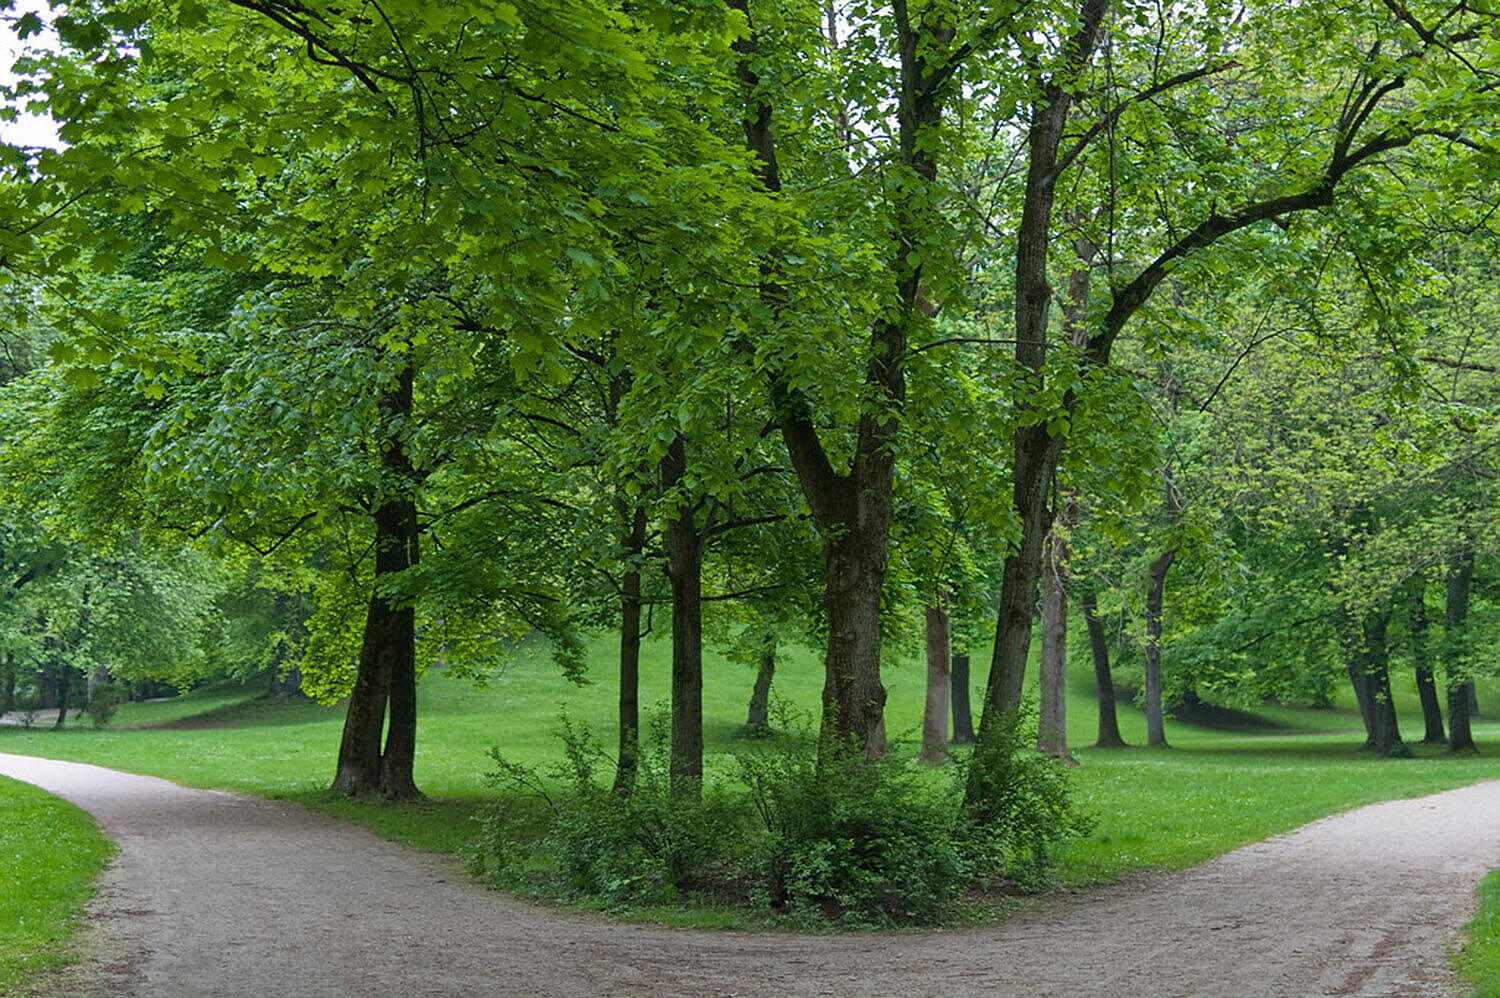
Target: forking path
[{"x": 218, "y": 894}]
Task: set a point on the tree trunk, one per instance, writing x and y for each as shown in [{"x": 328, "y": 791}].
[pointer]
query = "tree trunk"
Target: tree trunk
[
  {"x": 1156, "y": 735},
  {"x": 1036, "y": 462},
  {"x": 1036, "y": 448},
  {"x": 1432, "y": 714},
  {"x": 852, "y": 510},
  {"x": 758, "y": 719},
  {"x": 939, "y": 685},
  {"x": 630, "y": 657},
  {"x": 1385, "y": 737},
  {"x": 386, "y": 669},
  {"x": 1104, "y": 682},
  {"x": 685, "y": 571},
  {"x": 64, "y": 686},
  {"x": 1353, "y": 644},
  {"x": 98, "y": 677},
  {"x": 853, "y": 696},
  {"x": 1460, "y": 683},
  {"x": 1052, "y": 732},
  {"x": 963, "y": 716},
  {"x": 8, "y": 693}
]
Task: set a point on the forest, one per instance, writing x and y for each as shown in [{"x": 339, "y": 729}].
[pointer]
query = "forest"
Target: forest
[{"x": 348, "y": 342}]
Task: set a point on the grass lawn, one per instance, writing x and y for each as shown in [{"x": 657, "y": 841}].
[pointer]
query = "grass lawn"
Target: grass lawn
[
  {"x": 1479, "y": 961},
  {"x": 52, "y": 854}
]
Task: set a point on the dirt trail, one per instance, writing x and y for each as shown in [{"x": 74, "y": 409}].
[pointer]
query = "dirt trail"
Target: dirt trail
[{"x": 217, "y": 894}]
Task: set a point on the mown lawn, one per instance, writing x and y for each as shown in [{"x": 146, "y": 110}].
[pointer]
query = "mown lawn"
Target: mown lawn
[{"x": 51, "y": 854}]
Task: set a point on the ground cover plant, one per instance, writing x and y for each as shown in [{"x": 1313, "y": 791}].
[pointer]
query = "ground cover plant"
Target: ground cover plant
[{"x": 52, "y": 854}]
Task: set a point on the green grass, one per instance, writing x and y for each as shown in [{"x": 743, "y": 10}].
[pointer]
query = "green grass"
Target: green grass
[
  {"x": 1479, "y": 960},
  {"x": 52, "y": 854},
  {"x": 1212, "y": 791}
]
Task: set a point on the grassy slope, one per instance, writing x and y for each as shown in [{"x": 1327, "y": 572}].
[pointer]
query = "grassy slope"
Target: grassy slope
[{"x": 50, "y": 853}]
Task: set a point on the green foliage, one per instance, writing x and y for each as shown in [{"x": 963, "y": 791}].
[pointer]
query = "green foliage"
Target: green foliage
[
  {"x": 852, "y": 842},
  {"x": 832, "y": 840},
  {"x": 1019, "y": 804},
  {"x": 104, "y": 700},
  {"x": 649, "y": 846}
]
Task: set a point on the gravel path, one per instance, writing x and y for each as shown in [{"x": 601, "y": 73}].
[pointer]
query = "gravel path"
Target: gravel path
[{"x": 218, "y": 894}]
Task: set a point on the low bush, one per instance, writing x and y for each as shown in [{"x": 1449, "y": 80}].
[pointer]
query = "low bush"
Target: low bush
[
  {"x": 104, "y": 700},
  {"x": 647, "y": 846},
  {"x": 818, "y": 840}
]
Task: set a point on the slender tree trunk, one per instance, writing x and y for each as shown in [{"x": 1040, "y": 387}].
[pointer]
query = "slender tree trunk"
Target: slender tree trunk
[
  {"x": 8, "y": 694},
  {"x": 627, "y": 760},
  {"x": 1036, "y": 462},
  {"x": 939, "y": 685},
  {"x": 1460, "y": 683},
  {"x": 1156, "y": 735},
  {"x": 386, "y": 669},
  {"x": 1036, "y": 450},
  {"x": 1104, "y": 682},
  {"x": 1385, "y": 736},
  {"x": 963, "y": 715},
  {"x": 1352, "y": 642},
  {"x": 1052, "y": 732},
  {"x": 64, "y": 686},
  {"x": 1432, "y": 714},
  {"x": 758, "y": 719},
  {"x": 685, "y": 571}
]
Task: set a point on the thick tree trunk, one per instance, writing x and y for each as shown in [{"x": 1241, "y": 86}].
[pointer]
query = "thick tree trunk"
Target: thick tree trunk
[
  {"x": 1460, "y": 683},
  {"x": 758, "y": 718},
  {"x": 939, "y": 685},
  {"x": 1156, "y": 735},
  {"x": 685, "y": 571},
  {"x": 630, "y": 658},
  {"x": 1432, "y": 714},
  {"x": 1104, "y": 681},
  {"x": 963, "y": 715},
  {"x": 853, "y": 696},
  {"x": 386, "y": 669},
  {"x": 1052, "y": 732},
  {"x": 1036, "y": 450}
]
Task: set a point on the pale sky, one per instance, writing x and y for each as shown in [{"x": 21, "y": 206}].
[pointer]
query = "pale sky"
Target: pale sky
[{"x": 28, "y": 130}]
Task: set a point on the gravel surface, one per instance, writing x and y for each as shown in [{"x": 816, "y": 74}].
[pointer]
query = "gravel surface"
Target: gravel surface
[{"x": 219, "y": 894}]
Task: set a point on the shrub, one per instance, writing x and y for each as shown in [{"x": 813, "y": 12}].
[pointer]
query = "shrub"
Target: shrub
[
  {"x": 28, "y": 705},
  {"x": 103, "y": 702},
  {"x": 847, "y": 840},
  {"x": 647, "y": 846},
  {"x": 1018, "y": 804}
]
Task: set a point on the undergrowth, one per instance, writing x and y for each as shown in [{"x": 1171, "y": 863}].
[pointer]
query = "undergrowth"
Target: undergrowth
[{"x": 789, "y": 834}]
